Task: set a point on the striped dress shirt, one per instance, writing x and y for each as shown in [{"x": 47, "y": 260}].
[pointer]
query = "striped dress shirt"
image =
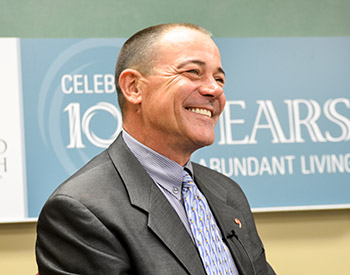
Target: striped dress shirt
[{"x": 168, "y": 176}]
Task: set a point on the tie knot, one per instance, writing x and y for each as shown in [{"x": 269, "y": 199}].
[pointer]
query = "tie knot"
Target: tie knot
[{"x": 187, "y": 180}]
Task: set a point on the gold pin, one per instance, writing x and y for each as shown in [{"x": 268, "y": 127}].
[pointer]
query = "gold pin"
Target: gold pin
[{"x": 237, "y": 221}]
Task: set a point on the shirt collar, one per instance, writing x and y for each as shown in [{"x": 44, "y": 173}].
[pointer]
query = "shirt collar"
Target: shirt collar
[{"x": 164, "y": 171}]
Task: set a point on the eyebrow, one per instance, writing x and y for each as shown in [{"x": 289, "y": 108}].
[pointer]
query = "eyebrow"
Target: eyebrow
[{"x": 199, "y": 62}]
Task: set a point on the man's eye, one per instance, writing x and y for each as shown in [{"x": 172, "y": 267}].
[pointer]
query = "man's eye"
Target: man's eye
[
  {"x": 220, "y": 80},
  {"x": 193, "y": 71}
]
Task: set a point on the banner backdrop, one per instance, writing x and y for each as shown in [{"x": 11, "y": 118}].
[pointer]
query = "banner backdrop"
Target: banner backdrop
[{"x": 284, "y": 134}]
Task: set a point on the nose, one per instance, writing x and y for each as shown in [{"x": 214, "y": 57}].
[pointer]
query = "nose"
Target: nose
[{"x": 211, "y": 88}]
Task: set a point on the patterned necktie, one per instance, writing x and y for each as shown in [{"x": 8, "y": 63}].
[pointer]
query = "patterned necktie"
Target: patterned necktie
[{"x": 212, "y": 250}]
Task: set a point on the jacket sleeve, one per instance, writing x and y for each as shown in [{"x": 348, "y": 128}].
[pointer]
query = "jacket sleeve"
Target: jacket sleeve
[{"x": 72, "y": 240}]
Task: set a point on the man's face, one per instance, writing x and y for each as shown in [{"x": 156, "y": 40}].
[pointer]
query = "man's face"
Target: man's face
[{"x": 183, "y": 97}]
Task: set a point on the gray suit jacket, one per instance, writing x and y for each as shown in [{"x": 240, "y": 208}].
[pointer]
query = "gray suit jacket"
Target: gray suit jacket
[{"x": 110, "y": 218}]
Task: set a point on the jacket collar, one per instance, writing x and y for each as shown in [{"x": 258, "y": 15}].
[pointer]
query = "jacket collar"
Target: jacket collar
[{"x": 162, "y": 218}]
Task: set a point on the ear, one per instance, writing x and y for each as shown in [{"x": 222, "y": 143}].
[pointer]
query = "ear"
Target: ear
[{"x": 129, "y": 83}]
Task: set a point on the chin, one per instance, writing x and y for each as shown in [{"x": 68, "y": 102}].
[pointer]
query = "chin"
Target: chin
[
  {"x": 205, "y": 142},
  {"x": 201, "y": 137}
]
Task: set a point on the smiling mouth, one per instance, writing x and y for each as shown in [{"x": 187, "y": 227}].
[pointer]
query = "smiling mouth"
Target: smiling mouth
[{"x": 200, "y": 111}]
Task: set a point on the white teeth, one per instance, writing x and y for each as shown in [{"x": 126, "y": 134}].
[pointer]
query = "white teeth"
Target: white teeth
[{"x": 201, "y": 111}]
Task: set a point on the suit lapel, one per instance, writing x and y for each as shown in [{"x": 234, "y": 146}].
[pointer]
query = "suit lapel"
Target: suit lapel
[
  {"x": 226, "y": 217},
  {"x": 162, "y": 218},
  {"x": 165, "y": 223}
]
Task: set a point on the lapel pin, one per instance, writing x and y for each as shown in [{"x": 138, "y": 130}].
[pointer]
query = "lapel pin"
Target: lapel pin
[{"x": 237, "y": 221}]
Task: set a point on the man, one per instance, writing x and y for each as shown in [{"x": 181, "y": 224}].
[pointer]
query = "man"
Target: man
[{"x": 125, "y": 212}]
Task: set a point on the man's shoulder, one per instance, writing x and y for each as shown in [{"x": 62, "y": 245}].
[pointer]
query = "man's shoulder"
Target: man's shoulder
[
  {"x": 99, "y": 170},
  {"x": 95, "y": 172}
]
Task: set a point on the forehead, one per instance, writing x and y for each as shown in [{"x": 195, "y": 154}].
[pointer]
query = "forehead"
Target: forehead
[{"x": 183, "y": 43}]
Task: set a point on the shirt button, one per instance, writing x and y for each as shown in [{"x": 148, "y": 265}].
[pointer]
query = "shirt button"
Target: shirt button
[{"x": 175, "y": 190}]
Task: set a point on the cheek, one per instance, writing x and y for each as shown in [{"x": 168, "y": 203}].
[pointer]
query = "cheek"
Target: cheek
[{"x": 159, "y": 105}]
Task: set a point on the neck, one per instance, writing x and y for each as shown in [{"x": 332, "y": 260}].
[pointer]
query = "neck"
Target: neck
[{"x": 163, "y": 145}]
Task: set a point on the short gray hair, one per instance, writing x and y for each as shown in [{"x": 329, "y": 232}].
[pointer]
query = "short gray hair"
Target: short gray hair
[{"x": 139, "y": 50}]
